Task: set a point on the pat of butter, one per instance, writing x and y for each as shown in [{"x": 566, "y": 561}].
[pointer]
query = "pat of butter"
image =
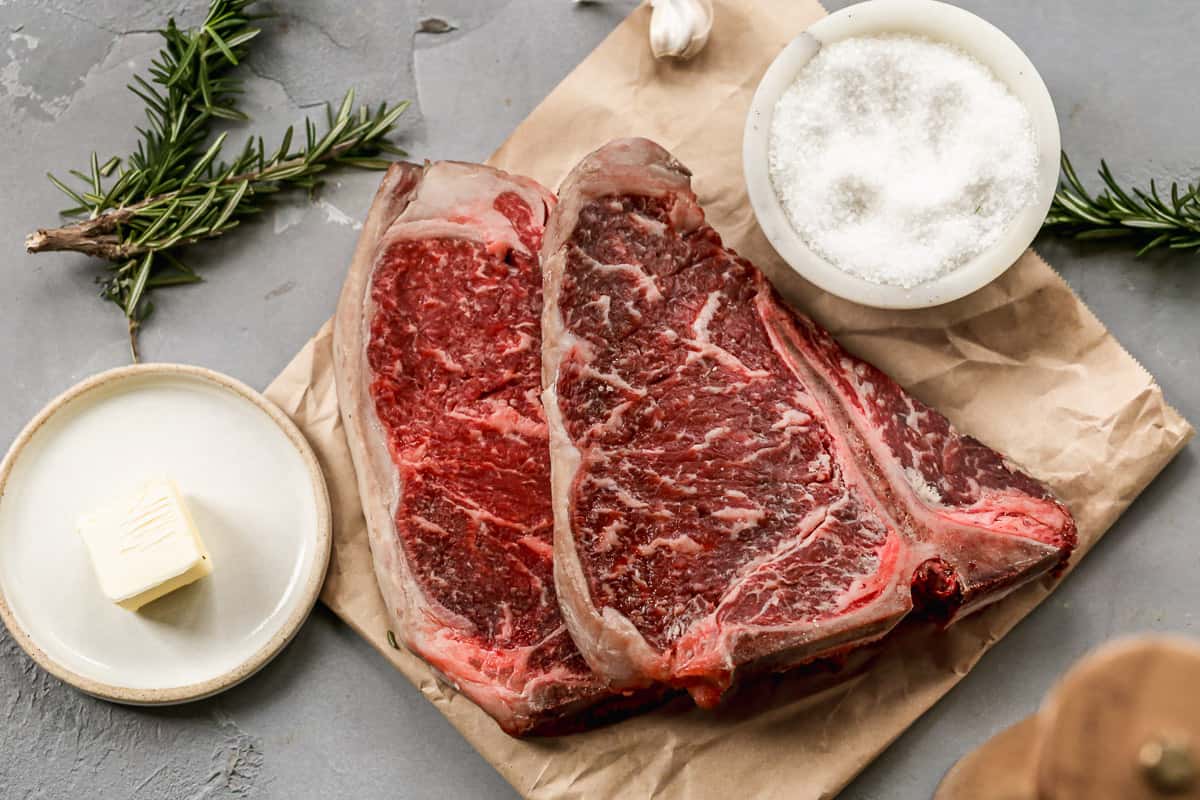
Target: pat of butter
[{"x": 145, "y": 546}]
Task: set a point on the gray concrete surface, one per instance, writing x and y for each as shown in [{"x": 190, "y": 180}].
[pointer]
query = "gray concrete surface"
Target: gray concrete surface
[{"x": 329, "y": 718}]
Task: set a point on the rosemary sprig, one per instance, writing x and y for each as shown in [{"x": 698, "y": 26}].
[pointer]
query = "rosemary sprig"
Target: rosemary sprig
[
  {"x": 176, "y": 189},
  {"x": 1148, "y": 218}
]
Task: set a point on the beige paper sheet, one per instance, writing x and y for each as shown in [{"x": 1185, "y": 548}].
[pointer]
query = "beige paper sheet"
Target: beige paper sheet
[{"x": 1022, "y": 365}]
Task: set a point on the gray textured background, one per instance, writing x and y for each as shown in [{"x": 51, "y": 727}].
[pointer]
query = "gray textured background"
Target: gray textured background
[{"x": 329, "y": 718}]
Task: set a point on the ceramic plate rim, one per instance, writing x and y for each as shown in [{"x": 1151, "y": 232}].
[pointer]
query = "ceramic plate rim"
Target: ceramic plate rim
[
  {"x": 311, "y": 589},
  {"x": 940, "y": 21}
]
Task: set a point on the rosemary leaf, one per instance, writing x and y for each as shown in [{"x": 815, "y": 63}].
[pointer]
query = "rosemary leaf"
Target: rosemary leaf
[
  {"x": 71, "y": 193},
  {"x": 139, "y": 286}
]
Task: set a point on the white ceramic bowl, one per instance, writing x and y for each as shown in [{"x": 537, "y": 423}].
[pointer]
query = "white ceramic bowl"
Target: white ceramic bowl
[{"x": 940, "y": 22}]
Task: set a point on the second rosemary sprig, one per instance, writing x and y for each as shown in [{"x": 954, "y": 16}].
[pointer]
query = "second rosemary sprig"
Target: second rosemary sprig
[{"x": 1150, "y": 218}]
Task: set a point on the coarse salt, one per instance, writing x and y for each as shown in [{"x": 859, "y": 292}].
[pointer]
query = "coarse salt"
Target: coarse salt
[{"x": 898, "y": 159}]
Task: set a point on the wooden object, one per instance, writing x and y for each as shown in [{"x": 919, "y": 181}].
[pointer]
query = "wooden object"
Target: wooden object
[{"x": 1123, "y": 724}]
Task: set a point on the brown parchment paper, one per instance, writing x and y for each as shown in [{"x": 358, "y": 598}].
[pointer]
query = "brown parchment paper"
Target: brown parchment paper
[{"x": 1022, "y": 365}]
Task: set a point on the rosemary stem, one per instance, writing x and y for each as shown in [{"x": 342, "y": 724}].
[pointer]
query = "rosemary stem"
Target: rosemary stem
[
  {"x": 78, "y": 238},
  {"x": 94, "y": 236}
]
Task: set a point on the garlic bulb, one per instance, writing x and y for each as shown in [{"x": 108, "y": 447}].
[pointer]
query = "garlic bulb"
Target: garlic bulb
[{"x": 680, "y": 28}]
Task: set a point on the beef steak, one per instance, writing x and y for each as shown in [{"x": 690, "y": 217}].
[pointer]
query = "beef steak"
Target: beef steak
[
  {"x": 733, "y": 490},
  {"x": 437, "y": 350}
]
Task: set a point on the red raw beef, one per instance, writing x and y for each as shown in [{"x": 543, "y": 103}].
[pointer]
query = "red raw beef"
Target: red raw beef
[
  {"x": 437, "y": 350},
  {"x": 732, "y": 490}
]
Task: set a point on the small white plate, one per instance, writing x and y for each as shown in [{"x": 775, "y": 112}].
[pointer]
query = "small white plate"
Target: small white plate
[
  {"x": 254, "y": 487},
  {"x": 934, "y": 20}
]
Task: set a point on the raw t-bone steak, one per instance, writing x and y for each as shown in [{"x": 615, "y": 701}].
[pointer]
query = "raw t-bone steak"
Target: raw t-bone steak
[
  {"x": 733, "y": 490},
  {"x": 437, "y": 351}
]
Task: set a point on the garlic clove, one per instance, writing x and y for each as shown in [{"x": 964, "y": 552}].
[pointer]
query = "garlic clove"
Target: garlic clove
[{"x": 680, "y": 28}]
